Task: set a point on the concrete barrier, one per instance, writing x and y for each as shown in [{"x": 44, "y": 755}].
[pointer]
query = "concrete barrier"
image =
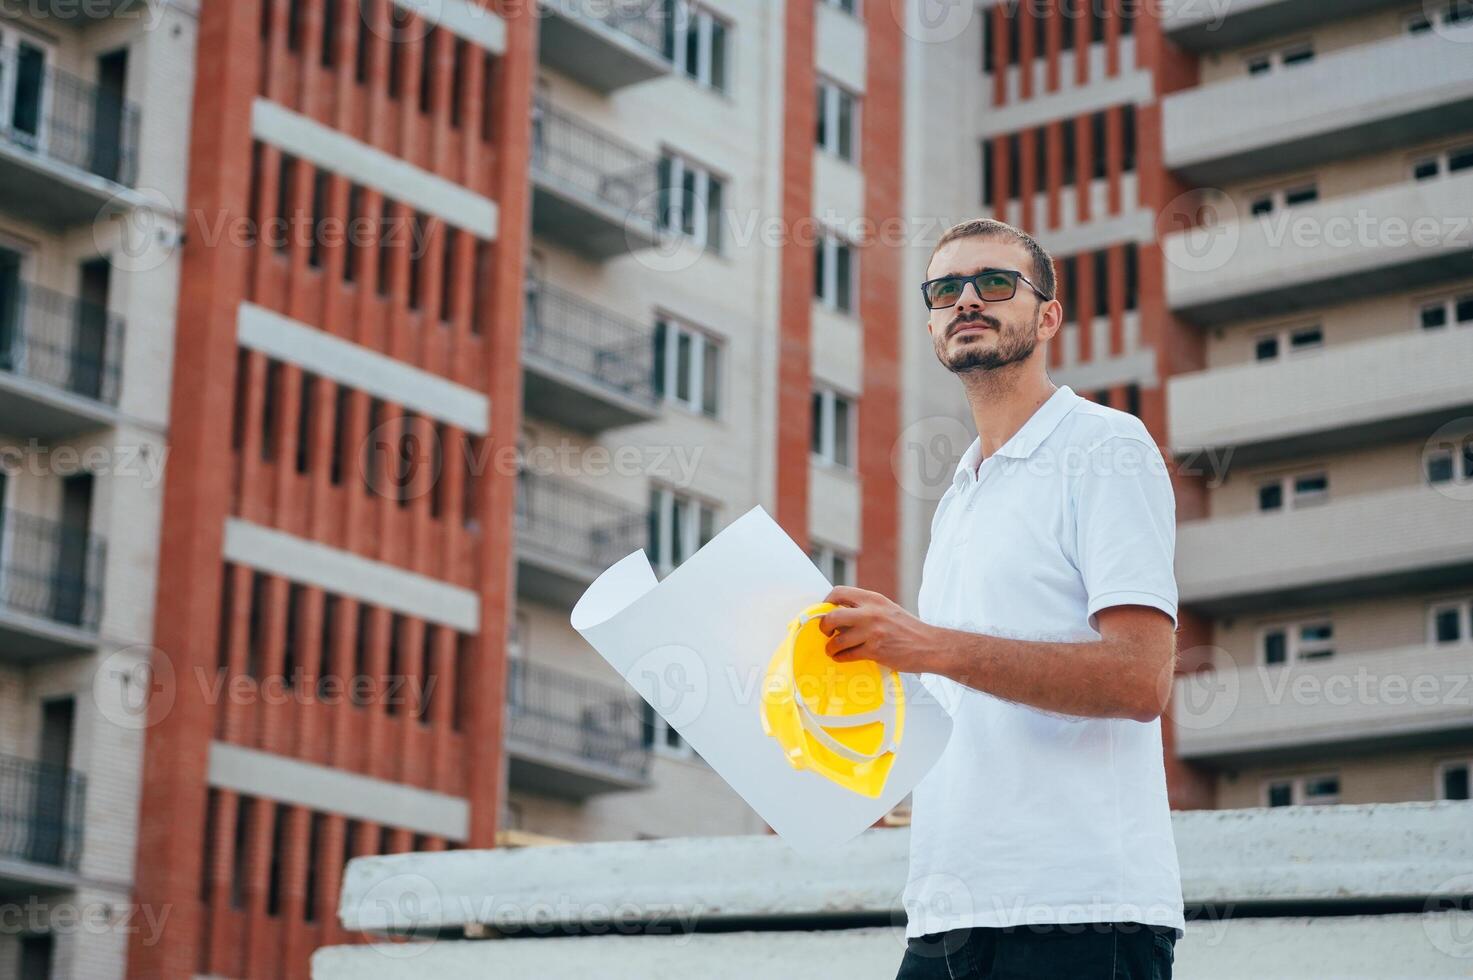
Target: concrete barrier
[{"x": 1347, "y": 891}]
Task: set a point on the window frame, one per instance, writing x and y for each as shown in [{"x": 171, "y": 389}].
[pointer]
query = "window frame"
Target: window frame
[
  {"x": 684, "y": 15},
  {"x": 663, "y": 559},
  {"x": 667, "y": 381},
  {"x": 826, "y": 286},
  {"x": 1295, "y": 651},
  {"x": 1297, "y": 789},
  {"x": 10, "y": 42},
  {"x": 831, "y": 96},
  {"x": 1283, "y": 338},
  {"x": 1289, "y": 494},
  {"x": 1463, "y": 606},
  {"x": 829, "y": 437},
  {"x": 824, "y": 556},
  {"x": 674, "y": 165},
  {"x": 1439, "y": 779}
]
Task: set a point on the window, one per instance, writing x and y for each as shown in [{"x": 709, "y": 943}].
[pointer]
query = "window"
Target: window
[
  {"x": 696, "y": 42},
  {"x": 989, "y": 36},
  {"x": 1128, "y": 136},
  {"x": 23, "y": 93},
  {"x": 1303, "y": 490},
  {"x": 1293, "y": 642},
  {"x": 687, "y": 367},
  {"x": 837, "y": 565},
  {"x": 1449, "y": 461},
  {"x": 659, "y": 737},
  {"x": 1288, "y": 342},
  {"x": 848, "y": 6},
  {"x": 1269, "y": 201},
  {"x": 987, "y": 170},
  {"x": 1069, "y": 12},
  {"x": 679, "y": 525},
  {"x": 1068, "y": 287},
  {"x": 1132, "y": 276},
  {"x": 1070, "y": 152},
  {"x": 833, "y": 420},
  {"x": 834, "y": 273},
  {"x": 691, "y": 200},
  {"x": 1015, "y": 167},
  {"x": 1264, "y": 62},
  {"x": 838, "y": 121},
  {"x": 1102, "y": 283},
  {"x": 1040, "y": 159},
  {"x": 1452, "y": 779},
  {"x": 1456, "y": 12},
  {"x": 1436, "y": 314},
  {"x": 1097, "y": 143},
  {"x": 1450, "y": 621},
  {"x": 1302, "y": 791},
  {"x": 1434, "y": 165}
]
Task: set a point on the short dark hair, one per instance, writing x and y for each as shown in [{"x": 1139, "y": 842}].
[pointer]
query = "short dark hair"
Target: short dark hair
[{"x": 1043, "y": 264}]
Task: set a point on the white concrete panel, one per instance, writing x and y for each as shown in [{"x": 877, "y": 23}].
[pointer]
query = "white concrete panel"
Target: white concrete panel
[
  {"x": 330, "y": 790},
  {"x": 466, "y": 19},
  {"x": 309, "y": 140},
  {"x": 841, "y": 46},
  {"x": 1348, "y": 948},
  {"x": 348, "y": 574},
  {"x": 347, "y": 363}
]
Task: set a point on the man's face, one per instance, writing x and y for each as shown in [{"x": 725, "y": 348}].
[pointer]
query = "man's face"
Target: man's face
[{"x": 973, "y": 335}]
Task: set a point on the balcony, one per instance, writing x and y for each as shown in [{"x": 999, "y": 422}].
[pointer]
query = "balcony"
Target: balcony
[
  {"x": 68, "y": 148},
  {"x": 59, "y": 363},
  {"x": 584, "y": 368},
  {"x": 572, "y": 737},
  {"x": 41, "y": 809},
  {"x": 50, "y": 588},
  {"x": 1409, "y": 235},
  {"x": 1339, "y": 706},
  {"x": 1403, "y": 540},
  {"x": 604, "y": 46},
  {"x": 1366, "y": 99},
  {"x": 1201, "y": 27},
  {"x": 567, "y": 536},
  {"x": 93, "y": 11},
  {"x": 1400, "y": 386},
  {"x": 591, "y": 193}
]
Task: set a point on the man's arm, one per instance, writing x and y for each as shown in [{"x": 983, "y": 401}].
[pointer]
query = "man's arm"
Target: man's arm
[{"x": 1125, "y": 674}]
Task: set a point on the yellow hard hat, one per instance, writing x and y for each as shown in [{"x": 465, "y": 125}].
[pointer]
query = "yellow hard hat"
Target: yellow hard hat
[{"x": 842, "y": 721}]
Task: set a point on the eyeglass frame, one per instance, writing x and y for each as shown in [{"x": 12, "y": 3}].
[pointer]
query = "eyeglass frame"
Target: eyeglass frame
[{"x": 972, "y": 279}]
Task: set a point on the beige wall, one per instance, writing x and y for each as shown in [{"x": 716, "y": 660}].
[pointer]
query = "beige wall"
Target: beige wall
[
  {"x": 1385, "y": 777},
  {"x": 1327, "y": 37}
]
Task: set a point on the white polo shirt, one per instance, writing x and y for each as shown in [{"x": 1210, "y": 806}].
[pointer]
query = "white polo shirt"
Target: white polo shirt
[{"x": 1031, "y": 816}]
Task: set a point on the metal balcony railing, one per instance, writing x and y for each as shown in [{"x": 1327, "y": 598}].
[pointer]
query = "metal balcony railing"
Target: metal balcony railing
[
  {"x": 639, "y": 20},
  {"x": 69, "y": 120},
  {"x": 51, "y": 570},
  {"x": 586, "y": 340},
  {"x": 60, "y": 341},
  {"x": 568, "y": 150},
  {"x": 561, "y": 711},
  {"x": 569, "y": 523},
  {"x": 41, "y": 808}
]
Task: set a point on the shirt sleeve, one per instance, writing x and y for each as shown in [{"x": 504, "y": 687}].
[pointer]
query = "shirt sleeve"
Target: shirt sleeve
[{"x": 1125, "y": 528}]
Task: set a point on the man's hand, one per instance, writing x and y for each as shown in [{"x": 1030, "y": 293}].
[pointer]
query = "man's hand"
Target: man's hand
[{"x": 871, "y": 627}]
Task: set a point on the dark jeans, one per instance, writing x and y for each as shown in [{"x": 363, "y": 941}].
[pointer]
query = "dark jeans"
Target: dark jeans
[{"x": 1095, "y": 951}]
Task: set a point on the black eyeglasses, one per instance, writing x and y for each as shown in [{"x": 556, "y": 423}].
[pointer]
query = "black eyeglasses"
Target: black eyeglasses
[{"x": 993, "y": 285}]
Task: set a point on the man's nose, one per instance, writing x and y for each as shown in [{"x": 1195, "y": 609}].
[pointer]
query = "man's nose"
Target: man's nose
[{"x": 970, "y": 299}]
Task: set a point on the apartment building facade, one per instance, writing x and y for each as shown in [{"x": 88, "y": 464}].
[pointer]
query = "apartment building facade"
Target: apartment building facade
[
  {"x": 1260, "y": 220},
  {"x": 1332, "y": 291},
  {"x": 327, "y": 678},
  {"x": 93, "y": 144},
  {"x": 706, "y": 330}
]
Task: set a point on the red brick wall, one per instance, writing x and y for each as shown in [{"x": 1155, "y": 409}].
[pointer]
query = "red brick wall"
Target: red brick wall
[{"x": 238, "y": 900}]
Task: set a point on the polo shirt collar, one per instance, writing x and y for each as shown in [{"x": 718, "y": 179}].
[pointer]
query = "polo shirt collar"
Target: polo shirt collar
[{"x": 1025, "y": 442}]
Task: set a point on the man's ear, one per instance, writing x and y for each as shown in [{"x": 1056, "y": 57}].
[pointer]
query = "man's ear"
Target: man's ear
[{"x": 1050, "y": 320}]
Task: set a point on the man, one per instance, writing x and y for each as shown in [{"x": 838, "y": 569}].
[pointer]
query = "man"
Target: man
[{"x": 1041, "y": 841}]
